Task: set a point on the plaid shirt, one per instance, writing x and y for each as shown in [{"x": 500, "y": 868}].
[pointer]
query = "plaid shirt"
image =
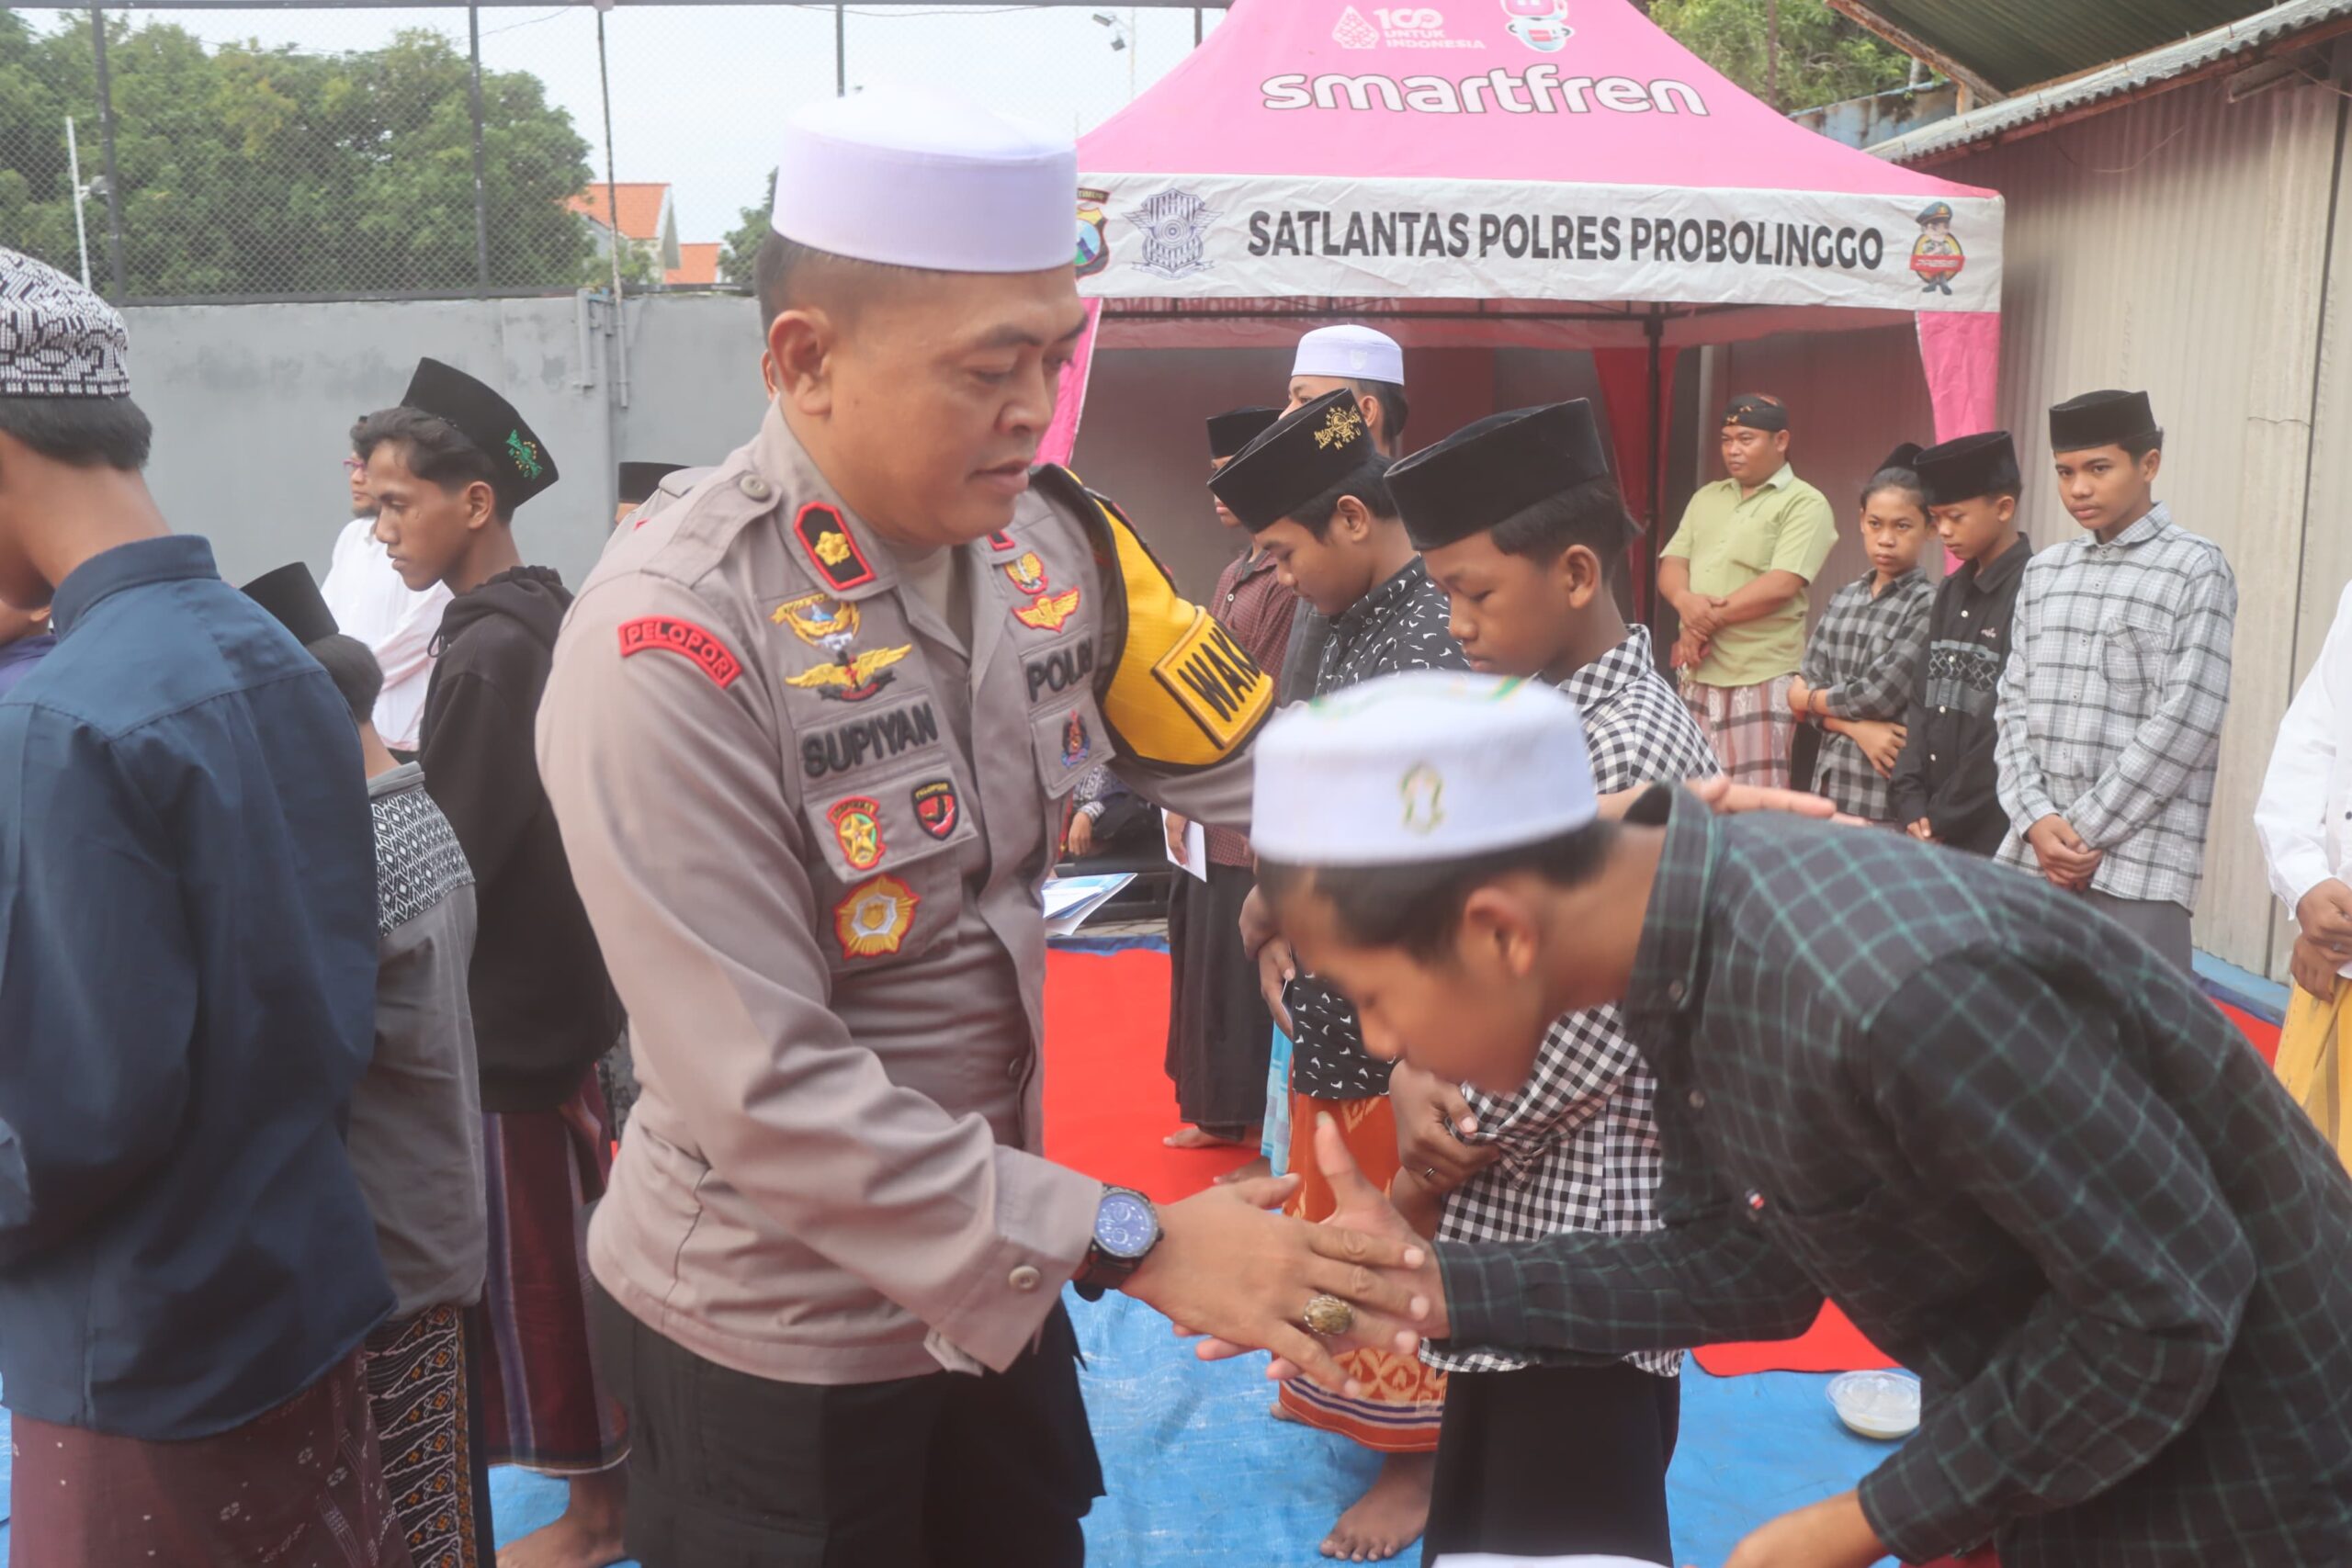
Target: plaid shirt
[
  {"x": 1864, "y": 658},
  {"x": 1579, "y": 1141},
  {"x": 1404, "y": 624},
  {"x": 2111, "y": 704},
  {"x": 2025, "y": 1155},
  {"x": 1256, "y": 608}
]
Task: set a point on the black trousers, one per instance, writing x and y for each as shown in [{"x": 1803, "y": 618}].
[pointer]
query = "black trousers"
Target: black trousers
[
  {"x": 1552, "y": 1462},
  {"x": 731, "y": 1470}
]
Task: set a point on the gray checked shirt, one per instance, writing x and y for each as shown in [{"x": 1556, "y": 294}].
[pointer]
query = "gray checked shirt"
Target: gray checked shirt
[
  {"x": 1579, "y": 1139},
  {"x": 2111, "y": 706},
  {"x": 1864, "y": 658}
]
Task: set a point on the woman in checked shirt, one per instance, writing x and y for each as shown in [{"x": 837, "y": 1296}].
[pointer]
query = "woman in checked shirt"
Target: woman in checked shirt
[{"x": 1862, "y": 660}]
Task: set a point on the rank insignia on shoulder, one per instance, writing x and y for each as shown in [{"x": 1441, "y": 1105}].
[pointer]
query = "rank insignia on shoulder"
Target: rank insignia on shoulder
[
  {"x": 1050, "y": 613},
  {"x": 872, "y": 919},
  {"x": 857, "y": 828},
  {"x": 667, "y": 634},
  {"x": 817, "y": 619},
  {"x": 1000, "y": 540},
  {"x": 853, "y": 678},
  {"x": 1077, "y": 745},
  {"x": 835, "y": 555},
  {"x": 936, "y": 807},
  {"x": 1027, "y": 573}
]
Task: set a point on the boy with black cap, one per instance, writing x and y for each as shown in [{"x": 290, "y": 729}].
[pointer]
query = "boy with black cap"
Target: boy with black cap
[
  {"x": 1518, "y": 518},
  {"x": 1945, "y": 788},
  {"x": 1219, "y": 1031},
  {"x": 2021, "y": 1151},
  {"x": 449, "y": 467},
  {"x": 2113, "y": 697},
  {"x": 1736, "y": 571},
  {"x": 415, "y": 1130},
  {"x": 1313, "y": 489}
]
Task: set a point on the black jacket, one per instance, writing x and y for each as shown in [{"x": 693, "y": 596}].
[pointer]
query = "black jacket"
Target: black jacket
[
  {"x": 1947, "y": 772},
  {"x": 544, "y": 1010}
]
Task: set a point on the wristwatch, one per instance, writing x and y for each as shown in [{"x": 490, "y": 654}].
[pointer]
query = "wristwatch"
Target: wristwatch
[{"x": 1127, "y": 1227}]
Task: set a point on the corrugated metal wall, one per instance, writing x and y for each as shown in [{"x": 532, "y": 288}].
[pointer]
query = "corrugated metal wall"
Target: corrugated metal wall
[{"x": 2179, "y": 245}]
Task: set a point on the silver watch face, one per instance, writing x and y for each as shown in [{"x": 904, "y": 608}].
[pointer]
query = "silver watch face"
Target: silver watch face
[{"x": 1124, "y": 1226}]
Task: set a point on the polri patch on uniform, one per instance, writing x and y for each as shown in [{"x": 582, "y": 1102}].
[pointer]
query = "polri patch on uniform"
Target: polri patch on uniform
[
  {"x": 936, "y": 810},
  {"x": 857, "y": 828},
  {"x": 1050, "y": 613},
  {"x": 872, "y": 920},
  {"x": 1212, "y": 678},
  {"x": 1060, "y": 669},
  {"x": 1077, "y": 745},
  {"x": 826, "y": 537},
  {"x": 667, "y": 634},
  {"x": 1026, "y": 572}
]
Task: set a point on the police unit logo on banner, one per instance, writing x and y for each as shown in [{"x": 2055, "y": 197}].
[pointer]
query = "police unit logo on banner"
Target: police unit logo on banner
[{"x": 1174, "y": 229}]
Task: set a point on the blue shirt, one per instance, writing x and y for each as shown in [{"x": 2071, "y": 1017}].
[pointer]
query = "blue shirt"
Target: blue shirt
[
  {"x": 19, "y": 659},
  {"x": 187, "y": 970}
]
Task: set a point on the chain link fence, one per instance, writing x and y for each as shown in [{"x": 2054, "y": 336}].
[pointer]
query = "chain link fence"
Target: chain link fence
[{"x": 198, "y": 154}]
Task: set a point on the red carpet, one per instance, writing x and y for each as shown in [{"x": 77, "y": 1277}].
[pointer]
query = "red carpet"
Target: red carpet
[{"x": 1108, "y": 1103}]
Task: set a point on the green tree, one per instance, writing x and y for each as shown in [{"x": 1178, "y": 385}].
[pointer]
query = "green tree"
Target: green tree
[
  {"x": 1823, "y": 57},
  {"x": 735, "y": 259},
  {"x": 247, "y": 170}
]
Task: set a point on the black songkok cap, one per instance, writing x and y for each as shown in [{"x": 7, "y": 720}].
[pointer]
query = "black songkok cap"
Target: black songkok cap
[
  {"x": 1756, "y": 410},
  {"x": 292, "y": 595},
  {"x": 482, "y": 416},
  {"x": 639, "y": 480},
  {"x": 1954, "y": 471},
  {"x": 2100, "y": 419},
  {"x": 1488, "y": 473},
  {"x": 1315, "y": 447},
  {"x": 1905, "y": 456},
  {"x": 1235, "y": 428}
]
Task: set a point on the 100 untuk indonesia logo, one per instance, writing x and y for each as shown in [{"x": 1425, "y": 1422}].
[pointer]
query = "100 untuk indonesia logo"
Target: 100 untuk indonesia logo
[{"x": 1540, "y": 25}]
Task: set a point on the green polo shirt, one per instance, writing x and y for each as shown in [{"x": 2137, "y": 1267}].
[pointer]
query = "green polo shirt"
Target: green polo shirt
[{"x": 1730, "y": 542}]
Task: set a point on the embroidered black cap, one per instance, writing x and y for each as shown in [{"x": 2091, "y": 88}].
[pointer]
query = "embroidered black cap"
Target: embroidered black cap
[
  {"x": 1756, "y": 410},
  {"x": 1315, "y": 447},
  {"x": 638, "y": 479},
  {"x": 523, "y": 463},
  {"x": 2100, "y": 419},
  {"x": 292, "y": 595},
  {"x": 1954, "y": 471},
  {"x": 1235, "y": 428},
  {"x": 1490, "y": 471}
]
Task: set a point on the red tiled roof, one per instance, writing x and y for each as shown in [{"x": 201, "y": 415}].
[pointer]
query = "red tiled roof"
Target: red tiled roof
[
  {"x": 640, "y": 205},
  {"x": 698, "y": 262}
]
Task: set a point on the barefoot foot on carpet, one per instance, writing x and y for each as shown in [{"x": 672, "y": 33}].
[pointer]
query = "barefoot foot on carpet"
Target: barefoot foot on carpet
[
  {"x": 587, "y": 1536},
  {"x": 1257, "y": 1167},
  {"x": 1389, "y": 1517}
]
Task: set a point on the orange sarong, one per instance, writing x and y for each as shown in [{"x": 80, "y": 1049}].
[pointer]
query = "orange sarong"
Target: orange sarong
[{"x": 1401, "y": 1413}]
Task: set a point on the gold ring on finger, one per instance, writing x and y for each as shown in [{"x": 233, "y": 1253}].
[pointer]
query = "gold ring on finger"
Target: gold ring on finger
[{"x": 1329, "y": 1315}]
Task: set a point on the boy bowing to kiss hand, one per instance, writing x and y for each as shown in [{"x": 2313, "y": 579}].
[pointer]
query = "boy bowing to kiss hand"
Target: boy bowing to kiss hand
[{"x": 2012, "y": 1142}]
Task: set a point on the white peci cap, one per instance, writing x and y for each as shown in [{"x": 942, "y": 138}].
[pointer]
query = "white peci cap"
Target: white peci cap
[
  {"x": 1425, "y": 766},
  {"x": 1357, "y": 353},
  {"x": 926, "y": 179}
]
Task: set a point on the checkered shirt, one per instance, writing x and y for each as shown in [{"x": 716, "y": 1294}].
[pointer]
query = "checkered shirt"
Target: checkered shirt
[
  {"x": 1864, "y": 657},
  {"x": 1404, "y": 624},
  {"x": 2027, "y": 1157},
  {"x": 1579, "y": 1140},
  {"x": 2111, "y": 703}
]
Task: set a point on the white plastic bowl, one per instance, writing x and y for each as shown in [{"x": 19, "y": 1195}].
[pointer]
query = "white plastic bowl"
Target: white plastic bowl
[{"x": 1884, "y": 1405}]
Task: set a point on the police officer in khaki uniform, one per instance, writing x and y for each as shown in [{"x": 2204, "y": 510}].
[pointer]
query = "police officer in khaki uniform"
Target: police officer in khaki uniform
[{"x": 809, "y": 732}]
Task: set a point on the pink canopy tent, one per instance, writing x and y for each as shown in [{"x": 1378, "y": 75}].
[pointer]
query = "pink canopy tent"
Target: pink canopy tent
[{"x": 1548, "y": 174}]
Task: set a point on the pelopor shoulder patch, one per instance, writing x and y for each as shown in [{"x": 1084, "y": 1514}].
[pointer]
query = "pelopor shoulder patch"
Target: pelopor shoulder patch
[
  {"x": 667, "y": 634},
  {"x": 1183, "y": 693}
]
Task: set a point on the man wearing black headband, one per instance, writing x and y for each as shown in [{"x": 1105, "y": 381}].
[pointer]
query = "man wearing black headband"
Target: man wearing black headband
[
  {"x": 1736, "y": 571},
  {"x": 2118, "y": 681}
]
